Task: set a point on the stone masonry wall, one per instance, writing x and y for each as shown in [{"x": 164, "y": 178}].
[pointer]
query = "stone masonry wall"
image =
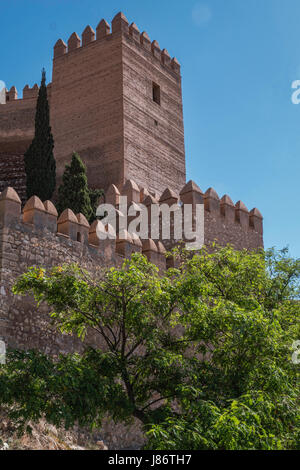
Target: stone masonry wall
[
  {"x": 154, "y": 135},
  {"x": 17, "y": 123},
  {"x": 36, "y": 236},
  {"x": 12, "y": 173},
  {"x": 31, "y": 238}
]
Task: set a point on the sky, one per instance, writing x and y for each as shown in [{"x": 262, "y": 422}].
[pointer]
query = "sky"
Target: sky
[{"x": 239, "y": 59}]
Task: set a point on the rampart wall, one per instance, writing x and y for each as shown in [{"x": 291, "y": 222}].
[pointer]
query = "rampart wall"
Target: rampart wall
[{"x": 36, "y": 236}]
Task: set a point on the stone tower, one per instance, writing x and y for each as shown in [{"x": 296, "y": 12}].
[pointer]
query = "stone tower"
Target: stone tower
[{"x": 116, "y": 99}]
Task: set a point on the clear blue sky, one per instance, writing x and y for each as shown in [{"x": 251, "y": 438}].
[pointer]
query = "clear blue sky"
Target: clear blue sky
[{"x": 239, "y": 58}]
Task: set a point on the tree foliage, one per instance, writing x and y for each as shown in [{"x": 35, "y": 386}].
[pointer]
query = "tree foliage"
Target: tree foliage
[
  {"x": 73, "y": 193},
  {"x": 95, "y": 196},
  {"x": 200, "y": 355},
  {"x": 40, "y": 166}
]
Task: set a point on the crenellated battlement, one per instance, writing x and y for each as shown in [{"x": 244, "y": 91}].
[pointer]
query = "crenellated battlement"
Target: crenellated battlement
[
  {"x": 40, "y": 220},
  {"x": 37, "y": 236},
  {"x": 221, "y": 216},
  {"x": 29, "y": 93},
  {"x": 12, "y": 94},
  {"x": 119, "y": 25}
]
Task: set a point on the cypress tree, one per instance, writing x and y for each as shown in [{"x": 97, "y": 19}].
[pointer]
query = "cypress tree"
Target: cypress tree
[
  {"x": 73, "y": 193},
  {"x": 95, "y": 196},
  {"x": 39, "y": 160}
]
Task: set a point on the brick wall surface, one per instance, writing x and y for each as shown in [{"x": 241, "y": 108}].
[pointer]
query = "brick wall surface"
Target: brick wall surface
[
  {"x": 12, "y": 173},
  {"x": 17, "y": 125}
]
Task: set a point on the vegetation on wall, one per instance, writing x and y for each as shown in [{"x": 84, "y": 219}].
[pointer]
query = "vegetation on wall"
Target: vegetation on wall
[
  {"x": 40, "y": 166},
  {"x": 74, "y": 192},
  {"x": 201, "y": 355},
  {"x": 95, "y": 196}
]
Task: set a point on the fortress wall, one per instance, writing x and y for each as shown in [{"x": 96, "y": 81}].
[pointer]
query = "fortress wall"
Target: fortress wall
[
  {"x": 154, "y": 134},
  {"x": 86, "y": 107},
  {"x": 223, "y": 231},
  {"x": 12, "y": 173},
  {"x": 17, "y": 125},
  {"x": 36, "y": 236},
  {"x": 224, "y": 222},
  {"x": 24, "y": 245},
  {"x": 17, "y": 119}
]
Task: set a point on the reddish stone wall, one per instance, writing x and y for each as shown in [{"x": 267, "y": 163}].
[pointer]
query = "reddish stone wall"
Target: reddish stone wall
[
  {"x": 101, "y": 105},
  {"x": 87, "y": 111},
  {"x": 224, "y": 230},
  {"x": 12, "y": 173},
  {"x": 17, "y": 125},
  {"x": 154, "y": 135},
  {"x": 16, "y": 134},
  {"x": 23, "y": 325}
]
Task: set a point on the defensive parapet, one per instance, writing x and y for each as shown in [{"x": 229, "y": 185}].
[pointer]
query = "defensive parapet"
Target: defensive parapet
[
  {"x": 28, "y": 93},
  {"x": 12, "y": 94},
  {"x": 103, "y": 31},
  {"x": 37, "y": 236},
  {"x": 40, "y": 218},
  {"x": 224, "y": 222}
]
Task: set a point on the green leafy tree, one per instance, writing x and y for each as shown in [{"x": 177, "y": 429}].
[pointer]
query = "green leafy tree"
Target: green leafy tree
[
  {"x": 95, "y": 197},
  {"x": 39, "y": 160},
  {"x": 201, "y": 355},
  {"x": 74, "y": 193}
]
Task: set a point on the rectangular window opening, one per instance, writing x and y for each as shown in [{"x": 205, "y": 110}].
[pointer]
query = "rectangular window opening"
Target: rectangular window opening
[{"x": 156, "y": 93}]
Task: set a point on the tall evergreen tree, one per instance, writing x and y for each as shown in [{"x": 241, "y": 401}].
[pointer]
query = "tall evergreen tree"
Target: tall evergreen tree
[
  {"x": 73, "y": 193},
  {"x": 39, "y": 160},
  {"x": 95, "y": 196}
]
